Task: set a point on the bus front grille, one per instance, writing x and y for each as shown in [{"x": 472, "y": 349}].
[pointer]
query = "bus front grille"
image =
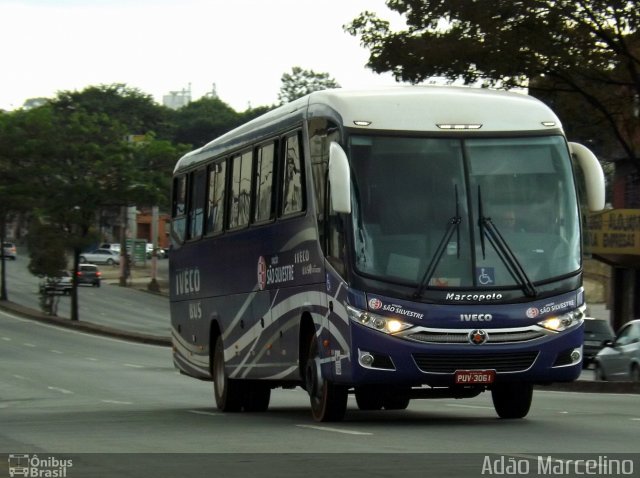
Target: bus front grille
[
  {"x": 500, "y": 362},
  {"x": 454, "y": 337}
]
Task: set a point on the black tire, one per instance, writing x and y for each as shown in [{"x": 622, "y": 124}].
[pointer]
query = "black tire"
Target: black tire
[
  {"x": 397, "y": 399},
  {"x": 227, "y": 392},
  {"x": 256, "y": 397},
  {"x": 328, "y": 400},
  {"x": 369, "y": 398},
  {"x": 635, "y": 373},
  {"x": 512, "y": 400},
  {"x": 598, "y": 373},
  {"x": 96, "y": 284},
  {"x": 110, "y": 262},
  {"x": 82, "y": 259}
]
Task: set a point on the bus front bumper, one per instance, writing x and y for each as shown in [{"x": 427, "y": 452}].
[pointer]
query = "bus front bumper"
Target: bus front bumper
[{"x": 378, "y": 358}]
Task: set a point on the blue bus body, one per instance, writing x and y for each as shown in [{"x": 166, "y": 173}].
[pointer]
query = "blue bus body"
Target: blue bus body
[{"x": 266, "y": 303}]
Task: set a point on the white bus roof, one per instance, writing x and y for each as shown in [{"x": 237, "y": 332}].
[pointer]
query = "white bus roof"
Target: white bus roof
[
  {"x": 404, "y": 108},
  {"x": 423, "y": 108}
]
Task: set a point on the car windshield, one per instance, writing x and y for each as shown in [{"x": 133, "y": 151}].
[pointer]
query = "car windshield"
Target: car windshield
[{"x": 464, "y": 213}]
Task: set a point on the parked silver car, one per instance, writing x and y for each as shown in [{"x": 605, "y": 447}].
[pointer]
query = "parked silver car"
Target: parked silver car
[
  {"x": 620, "y": 358},
  {"x": 100, "y": 256}
]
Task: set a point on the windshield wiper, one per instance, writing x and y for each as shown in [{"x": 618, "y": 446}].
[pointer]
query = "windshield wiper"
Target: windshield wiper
[
  {"x": 506, "y": 254},
  {"x": 454, "y": 222}
]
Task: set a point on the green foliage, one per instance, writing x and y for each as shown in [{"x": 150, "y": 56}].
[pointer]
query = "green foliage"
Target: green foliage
[
  {"x": 137, "y": 112},
  {"x": 301, "y": 82},
  {"x": 586, "y": 48},
  {"x": 201, "y": 121},
  {"x": 47, "y": 247}
]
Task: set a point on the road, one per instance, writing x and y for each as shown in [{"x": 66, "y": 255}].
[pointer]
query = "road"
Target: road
[
  {"x": 118, "y": 307},
  {"x": 65, "y": 392}
]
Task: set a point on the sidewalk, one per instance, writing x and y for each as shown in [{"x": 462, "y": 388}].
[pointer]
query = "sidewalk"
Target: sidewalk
[{"x": 139, "y": 279}]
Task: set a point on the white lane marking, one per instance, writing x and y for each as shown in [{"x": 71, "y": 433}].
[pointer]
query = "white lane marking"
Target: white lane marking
[
  {"x": 635, "y": 419},
  {"x": 334, "y": 430},
  {"x": 53, "y": 351},
  {"x": 211, "y": 414},
  {"x": 7, "y": 339},
  {"x": 132, "y": 365},
  {"x": 117, "y": 402},
  {"x": 26, "y": 344},
  {"x": 61, "y": 390},
  {"x": 92, "y": 359},
  {"x": 20, "y": 377}
]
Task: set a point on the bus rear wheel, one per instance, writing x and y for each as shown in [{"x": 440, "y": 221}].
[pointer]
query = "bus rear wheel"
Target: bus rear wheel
[
  {"x": 512, "y": 400},
  {"x": 228, "y": 392},
  {"x": 328, "y": 400}
]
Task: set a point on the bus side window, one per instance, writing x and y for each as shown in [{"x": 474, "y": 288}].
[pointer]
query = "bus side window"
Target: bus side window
[
  {"x": 322, "y": 132},
  {"x": 215, "y": 198},
  {"x": 179, "y": 209},
  {"x": 293, "y": 194},
  {"x": 240, "y": 190},
  {"x": 263, "y": 183},
  {"x": 196, "y": 204}
]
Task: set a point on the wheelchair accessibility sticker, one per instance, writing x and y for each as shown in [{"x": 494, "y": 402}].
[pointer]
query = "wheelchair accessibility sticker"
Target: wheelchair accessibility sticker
[{"x": 485, "y": 275}]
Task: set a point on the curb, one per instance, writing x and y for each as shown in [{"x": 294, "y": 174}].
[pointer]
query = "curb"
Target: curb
[
  {"x": 586, "y": 386},
  {"x": 28, "y": 313}
]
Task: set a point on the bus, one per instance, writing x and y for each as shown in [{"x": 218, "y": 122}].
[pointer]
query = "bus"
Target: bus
[{"x": 393, "y": 244}]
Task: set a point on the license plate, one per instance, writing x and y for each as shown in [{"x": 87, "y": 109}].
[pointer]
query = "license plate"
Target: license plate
[{"x": 474, "y": 376}]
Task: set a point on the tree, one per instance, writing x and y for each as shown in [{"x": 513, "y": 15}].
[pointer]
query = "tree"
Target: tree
[
  {"x": 47, "y": 258},
  {"x": 301, "y": 82},
  {"x": 586, "y": 48},
  {"x": 135, "y": 110},
  {"x": 201, "y": 121},
  {"x": 21, "y": 136}
]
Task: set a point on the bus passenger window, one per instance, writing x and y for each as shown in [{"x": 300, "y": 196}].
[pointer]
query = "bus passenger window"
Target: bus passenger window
[
  {"x": 196, "y": 204},
  {"x": 240, "y": 190},
  {"x": 215, "y": 198},
  {"x": 293, "y": 197},
  {"x": 264, "y": 183},
  {"x": 178, "y": 219}
]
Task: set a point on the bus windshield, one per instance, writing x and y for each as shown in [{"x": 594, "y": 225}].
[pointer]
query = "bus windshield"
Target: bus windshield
[{"x": 481, "y": 212}]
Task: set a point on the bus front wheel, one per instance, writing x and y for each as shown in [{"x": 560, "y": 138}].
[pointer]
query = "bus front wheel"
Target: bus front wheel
[
  {"x": 328, "y": 400},
  {"x": 512, "y": 400},
  {"x": 228, "y": 392}
]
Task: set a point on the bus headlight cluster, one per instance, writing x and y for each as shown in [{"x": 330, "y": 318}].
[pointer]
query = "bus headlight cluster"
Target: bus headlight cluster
[
  {"x": 558, "y": 323},
  {"x": 388, "y": 325}
]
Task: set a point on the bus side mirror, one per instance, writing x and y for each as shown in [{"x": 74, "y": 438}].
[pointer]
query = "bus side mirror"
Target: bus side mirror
[
  {"x": 339, "y": 179},
  {"x": 593, "y": 175}
]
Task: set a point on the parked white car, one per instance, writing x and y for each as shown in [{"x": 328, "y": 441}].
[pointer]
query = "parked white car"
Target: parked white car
[{"x": 100, "y": 256}]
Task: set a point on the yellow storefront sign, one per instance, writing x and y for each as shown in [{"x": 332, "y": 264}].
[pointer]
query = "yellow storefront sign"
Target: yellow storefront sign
[{"x": 616, "y": 231}]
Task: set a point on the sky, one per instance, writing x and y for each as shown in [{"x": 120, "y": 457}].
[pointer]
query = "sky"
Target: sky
[{"x": 159, "y": 46}]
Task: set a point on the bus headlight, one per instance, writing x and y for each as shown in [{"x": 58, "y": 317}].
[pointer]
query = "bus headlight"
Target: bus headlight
[
  {"x": 388, "y": 325},
  {"x": 558, "y": 323}
]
